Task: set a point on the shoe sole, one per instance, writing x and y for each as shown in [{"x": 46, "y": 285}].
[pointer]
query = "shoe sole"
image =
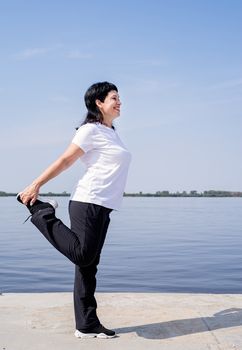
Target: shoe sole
[
  {"x": 81, "y": 335},
  {"x": 18, "y": 198},
  {"x": 52, "y": 202}
]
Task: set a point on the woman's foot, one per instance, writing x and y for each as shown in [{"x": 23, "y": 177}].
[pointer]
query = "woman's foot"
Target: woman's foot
[
  {"x": 39, "y": 205},
  {"x": 97, "y": 332}
]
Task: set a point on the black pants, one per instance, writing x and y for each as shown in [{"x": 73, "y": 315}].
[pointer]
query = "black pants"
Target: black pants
[{"x": 82, "y": 245}]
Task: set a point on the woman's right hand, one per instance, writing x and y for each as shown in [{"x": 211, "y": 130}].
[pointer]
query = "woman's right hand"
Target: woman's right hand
[{"x": 30, "y": 194}]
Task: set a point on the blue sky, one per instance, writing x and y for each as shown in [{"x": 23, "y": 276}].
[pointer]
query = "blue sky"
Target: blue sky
[{"x": 178, "y": 67}]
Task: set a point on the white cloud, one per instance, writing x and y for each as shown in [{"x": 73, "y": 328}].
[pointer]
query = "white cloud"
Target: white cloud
[
  {"x": 30, "y": 53},
  {"x": 77, "y": 54},
  {"x": 34, "y": 52}
]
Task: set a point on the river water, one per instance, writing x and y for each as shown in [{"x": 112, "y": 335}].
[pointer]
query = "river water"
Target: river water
[{"x": 153, "y": 245}]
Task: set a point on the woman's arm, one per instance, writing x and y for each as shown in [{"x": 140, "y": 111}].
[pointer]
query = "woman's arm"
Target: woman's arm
[{"x": 72, "y": 153}]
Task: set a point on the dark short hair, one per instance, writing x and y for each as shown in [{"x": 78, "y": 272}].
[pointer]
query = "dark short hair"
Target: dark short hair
[{"x": 97, "y": 91}]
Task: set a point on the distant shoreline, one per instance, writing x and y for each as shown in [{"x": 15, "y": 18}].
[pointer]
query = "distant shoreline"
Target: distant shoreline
[{"x": 207, "y": 194}]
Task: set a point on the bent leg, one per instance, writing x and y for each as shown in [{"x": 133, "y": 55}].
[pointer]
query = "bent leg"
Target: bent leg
[
  {"x": 81, "y": 245},
  {"x": 56, "y": 232},
  {"x": 82, "y": 242}
]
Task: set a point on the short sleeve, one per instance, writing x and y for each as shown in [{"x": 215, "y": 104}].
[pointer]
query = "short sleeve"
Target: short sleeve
[{"x": 84, "y": 137}]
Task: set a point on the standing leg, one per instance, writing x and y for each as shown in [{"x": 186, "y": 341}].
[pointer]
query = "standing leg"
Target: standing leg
[
  {"x": 85, "y": 304},
  {"x": 85, "y": 276}
]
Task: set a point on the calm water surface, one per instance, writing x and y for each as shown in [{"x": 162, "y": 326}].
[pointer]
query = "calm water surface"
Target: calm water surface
[{"x": 153, "y": 245}]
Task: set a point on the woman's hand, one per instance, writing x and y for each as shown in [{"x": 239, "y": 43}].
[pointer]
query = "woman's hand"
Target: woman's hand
[{"x": 30, "y": 194}]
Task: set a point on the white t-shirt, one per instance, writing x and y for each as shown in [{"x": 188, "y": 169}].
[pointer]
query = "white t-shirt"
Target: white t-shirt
[{"x": 107, "y": 161}]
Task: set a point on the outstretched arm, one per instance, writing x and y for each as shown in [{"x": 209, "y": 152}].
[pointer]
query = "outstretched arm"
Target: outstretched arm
[{"x": 72, "y": 153}]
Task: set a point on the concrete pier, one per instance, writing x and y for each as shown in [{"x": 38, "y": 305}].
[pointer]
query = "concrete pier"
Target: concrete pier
[{"x": 44, "y": 321}]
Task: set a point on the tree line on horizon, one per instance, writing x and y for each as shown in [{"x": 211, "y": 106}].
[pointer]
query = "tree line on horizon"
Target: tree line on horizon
[{"x": 210, "y": 193}]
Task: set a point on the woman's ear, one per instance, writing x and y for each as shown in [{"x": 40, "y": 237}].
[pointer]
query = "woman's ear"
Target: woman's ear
[{"x": 98, "y": 103}]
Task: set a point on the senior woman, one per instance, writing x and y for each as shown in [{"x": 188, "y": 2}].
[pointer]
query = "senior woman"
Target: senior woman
[{"x": 97, "y": 193}]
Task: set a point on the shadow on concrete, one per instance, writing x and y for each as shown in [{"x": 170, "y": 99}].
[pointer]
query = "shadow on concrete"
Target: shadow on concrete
[{"x": 171, "y": 329}]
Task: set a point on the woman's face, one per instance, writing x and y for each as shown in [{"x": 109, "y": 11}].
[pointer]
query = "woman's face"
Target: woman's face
[{"x": 110, "y": 107}]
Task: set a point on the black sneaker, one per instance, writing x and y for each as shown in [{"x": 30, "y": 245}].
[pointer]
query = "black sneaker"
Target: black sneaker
[
  {"x": 98, "y": 332},
  {"x": 38, "y": 205}
]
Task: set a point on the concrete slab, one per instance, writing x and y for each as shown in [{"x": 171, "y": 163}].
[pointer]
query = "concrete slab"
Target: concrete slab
[{"x": 143, "y": 321}]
